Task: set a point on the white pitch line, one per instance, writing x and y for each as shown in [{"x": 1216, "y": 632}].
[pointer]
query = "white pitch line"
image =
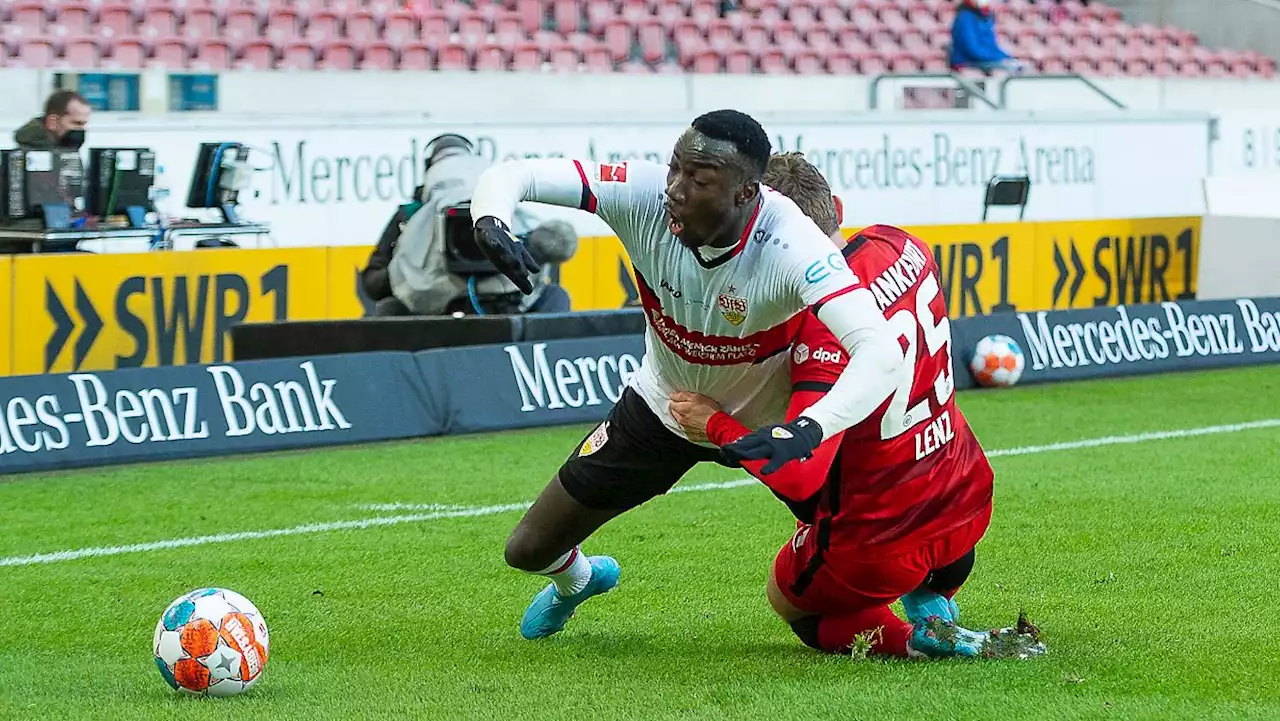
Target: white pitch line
[
  {"x": 409, "y": 507},
  {"x": 477, "y": 511}
]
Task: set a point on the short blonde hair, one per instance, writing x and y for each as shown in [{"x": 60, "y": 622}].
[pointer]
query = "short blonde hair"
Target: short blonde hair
[{"x": 795, "y": 177}]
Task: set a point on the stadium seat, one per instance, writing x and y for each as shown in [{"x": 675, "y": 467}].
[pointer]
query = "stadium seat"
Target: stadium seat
[
  {"x": 491, "y": 58},
  {"x": 75, "y": 15},
  {"x": 361, "y": 27},
  {"x": 213, "y": 54},
  {"x": 200, "y": 22},
  {"x": 452, "y": 56},
  {"x": 337, "y": 55},
  {"x": 378, "y": 55},
  {"x": 36, "y": 51},
  {"x": 126, "y": 53},
  {"x": 415, "y": 55},
  {"x": 812, "y": 36},
  {"x": 257, "y": 55},
  {"x": 297, "y": 55},
  {"x": 81, "y": 53},
  {"x": 170, "y": 53}
]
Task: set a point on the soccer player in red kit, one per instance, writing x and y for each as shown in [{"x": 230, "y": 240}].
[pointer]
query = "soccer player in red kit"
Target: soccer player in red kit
[{"x": 892, "y": 507}]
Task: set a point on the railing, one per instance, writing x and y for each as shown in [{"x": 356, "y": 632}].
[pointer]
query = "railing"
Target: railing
[
  {"x": 965, "y": 84},
  {"x": 970, "y": 87},
  {"x": 1004, "y": 87}
]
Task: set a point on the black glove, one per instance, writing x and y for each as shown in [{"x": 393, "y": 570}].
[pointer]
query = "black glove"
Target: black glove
[
  {"x": 506, "y": 253},
  {"x": 778, "y": 444}
]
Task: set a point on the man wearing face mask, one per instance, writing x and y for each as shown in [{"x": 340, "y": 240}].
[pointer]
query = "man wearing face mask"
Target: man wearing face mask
[{"x": 62, "y": 126}]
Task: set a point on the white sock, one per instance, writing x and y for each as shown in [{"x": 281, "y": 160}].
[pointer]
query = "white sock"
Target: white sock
[{"x": 570, "y": 573}]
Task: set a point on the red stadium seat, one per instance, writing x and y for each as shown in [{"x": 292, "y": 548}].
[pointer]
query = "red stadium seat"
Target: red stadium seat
[
  {"x": 597, "y": 60},
  {"x": 565, "y": 59},
  {"x": 378, "y": 55},
  {"x": 323, "y": 26},
  {"x": 36, "y": 51},
  {"x": 361, "y": 27},
  {"x": 773, "y": 62},
  {"x": 807, "y": 62},
  {"x": 415, "y": 55},
  {"x": 127, "y": 53},
  {"x": 297, "y": 55},
  {"x": 170, "y": 53},
  {"x": 739, "y": 61},
  {"x": 452, "y": 56},
  {"x": 81, "y": 53},
  {"x": 75, "y": 15},
  {"x": 201, "y": 22},
  {"x": 617, "y": 39},
  {"x": 491, "y": 58},
  {"x": 526, "y": 56},
  {"x": 567, "y": 15},
  {"x": 338, "y": 55},
  {"x": 257, "y": 55},
  {"x": 705, "y": 61},
  {"x": 653, "y": 41},
  {"x": 401, "y": 27},
  {"x": 840, "y": 62},
  {"x": 531, "y": 14},
  {"x": 242, "y": 24},
  {"x": 213, "y": 54}
]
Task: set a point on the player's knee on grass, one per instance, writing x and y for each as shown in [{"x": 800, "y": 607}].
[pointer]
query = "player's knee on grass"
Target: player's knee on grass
[{"x": 806, "y": 629}]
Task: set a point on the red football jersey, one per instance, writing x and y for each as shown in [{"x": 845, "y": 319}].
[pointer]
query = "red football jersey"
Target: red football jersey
[{"x": 912, "y": 470}]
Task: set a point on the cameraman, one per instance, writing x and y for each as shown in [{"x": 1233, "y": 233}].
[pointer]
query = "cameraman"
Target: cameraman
[{"x": 433, "y": 271}]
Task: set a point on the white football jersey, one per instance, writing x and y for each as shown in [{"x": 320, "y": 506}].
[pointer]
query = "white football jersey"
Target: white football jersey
[{"x": 720, "y": 320}]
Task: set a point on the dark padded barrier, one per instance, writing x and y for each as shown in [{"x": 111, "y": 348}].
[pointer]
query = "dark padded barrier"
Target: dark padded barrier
[
  {"x": 591, "y": 324},
  {"x": 255, "y": 341}
]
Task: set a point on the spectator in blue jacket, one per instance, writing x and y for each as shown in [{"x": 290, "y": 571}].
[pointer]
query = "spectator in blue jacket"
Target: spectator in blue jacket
[{"x": 973, "y": 40}]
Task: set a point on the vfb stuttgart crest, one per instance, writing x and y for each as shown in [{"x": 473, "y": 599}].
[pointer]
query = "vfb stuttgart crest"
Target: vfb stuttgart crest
[{"x": 732, "y": 307}]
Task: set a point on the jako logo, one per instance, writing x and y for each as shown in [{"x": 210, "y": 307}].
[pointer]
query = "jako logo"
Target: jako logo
[{"x": 569, "y": 382}]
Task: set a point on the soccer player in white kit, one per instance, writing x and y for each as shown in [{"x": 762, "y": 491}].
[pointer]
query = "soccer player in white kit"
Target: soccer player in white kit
[{"x": 725, "y": 267}]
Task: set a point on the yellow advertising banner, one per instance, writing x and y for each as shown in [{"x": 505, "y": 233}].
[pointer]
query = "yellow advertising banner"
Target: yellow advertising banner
[
  {"x": 101, "y": 312},
  {"x": 347, "y": 299},
  {"x": 599, "y": 276},
  {"x": 987, "y": 268},
  {"x": 1113, "y": 262},
  {"x": 6, "y": 316}
]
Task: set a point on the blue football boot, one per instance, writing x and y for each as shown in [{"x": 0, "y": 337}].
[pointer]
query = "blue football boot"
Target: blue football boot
[
  {"x": 922, "y": 603},
  {"x": 936, "y": 637},
  {"x": 550, "y": 611}
]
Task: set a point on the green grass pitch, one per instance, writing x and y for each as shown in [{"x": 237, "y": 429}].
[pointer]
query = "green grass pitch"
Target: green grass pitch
[{"x": 1148, "y": 566}]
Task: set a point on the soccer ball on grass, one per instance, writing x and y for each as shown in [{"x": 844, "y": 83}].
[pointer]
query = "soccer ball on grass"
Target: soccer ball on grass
[
  {"x": 997, "y": 361},
  {"x": 211, "y": 642}
]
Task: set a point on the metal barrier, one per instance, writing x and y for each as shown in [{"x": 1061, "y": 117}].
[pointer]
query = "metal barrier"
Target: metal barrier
[
  {"x": 1004, "y": 86},
  {"x": 967, "y": 85}
]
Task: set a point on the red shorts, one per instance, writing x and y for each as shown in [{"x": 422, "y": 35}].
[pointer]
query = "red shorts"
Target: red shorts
[{"x": 840, "y": 581}]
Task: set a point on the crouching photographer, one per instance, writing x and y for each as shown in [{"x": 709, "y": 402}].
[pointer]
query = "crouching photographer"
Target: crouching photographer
[{"x": 436, "y": 268}]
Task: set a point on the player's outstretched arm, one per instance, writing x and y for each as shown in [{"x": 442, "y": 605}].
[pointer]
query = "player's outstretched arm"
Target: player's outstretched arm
[{"x": 606, "y": 190}]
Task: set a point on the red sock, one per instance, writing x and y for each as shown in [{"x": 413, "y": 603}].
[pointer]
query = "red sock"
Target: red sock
[{"x": 886, "y": 631}]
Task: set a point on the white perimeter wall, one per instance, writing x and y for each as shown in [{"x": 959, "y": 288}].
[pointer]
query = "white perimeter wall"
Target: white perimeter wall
[{"x": 467, "y": 95}]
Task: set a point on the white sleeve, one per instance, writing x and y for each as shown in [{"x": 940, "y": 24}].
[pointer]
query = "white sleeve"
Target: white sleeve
[
  {"x": 628, "y": 196},
  {"x": 874, "y": 355}
]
